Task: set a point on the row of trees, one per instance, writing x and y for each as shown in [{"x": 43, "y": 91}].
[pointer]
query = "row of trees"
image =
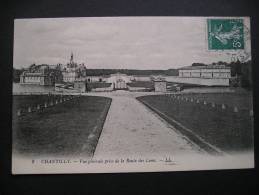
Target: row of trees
[
  {"x": 243, "y": 71},
  {"x": 99, "y": 72}
]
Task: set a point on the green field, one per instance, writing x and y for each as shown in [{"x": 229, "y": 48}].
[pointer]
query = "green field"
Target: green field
[
  {"x": 223, "y": 128},
  {"x": 95, "y": 85},
  {"x": 145, "y": 84},
  {"x": 239, "y": 100},
  {"x": 68, "y": 128},
  {"x": 24, "y": 101}
]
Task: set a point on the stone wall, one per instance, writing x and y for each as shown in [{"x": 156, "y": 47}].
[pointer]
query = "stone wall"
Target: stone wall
[{"x": 199, "y": 81}]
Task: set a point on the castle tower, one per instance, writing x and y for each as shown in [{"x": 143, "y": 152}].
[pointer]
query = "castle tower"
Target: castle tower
[{"x": 72, "y": 59}]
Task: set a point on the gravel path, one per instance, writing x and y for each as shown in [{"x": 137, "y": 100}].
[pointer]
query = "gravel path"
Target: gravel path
[{"x": 132, "y": 129}]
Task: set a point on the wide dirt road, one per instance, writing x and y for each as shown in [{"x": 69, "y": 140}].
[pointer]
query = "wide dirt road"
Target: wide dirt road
[{"x": 132, "y": 129}]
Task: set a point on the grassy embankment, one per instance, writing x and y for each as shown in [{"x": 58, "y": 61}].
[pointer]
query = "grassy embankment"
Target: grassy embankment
[
  {"x": 224, "y": 128},
  {"x": 72, "y": 127}
]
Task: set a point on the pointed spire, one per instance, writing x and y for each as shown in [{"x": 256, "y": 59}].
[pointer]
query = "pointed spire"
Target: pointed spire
[{"x": 71, "y": 58}]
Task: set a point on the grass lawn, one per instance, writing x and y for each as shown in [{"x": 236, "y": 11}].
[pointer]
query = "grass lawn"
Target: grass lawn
[
  {"x": 69, "y": 128},
  {"x": 239, "y": 100},
  {"x": 98, "y": 85},
  {"x": 225, "y": 129},
  {"x": 24, "y": 101},
  {"x": 145, "y": 84}
]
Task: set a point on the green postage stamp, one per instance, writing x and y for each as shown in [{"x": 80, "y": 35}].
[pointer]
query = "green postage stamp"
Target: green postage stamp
[{"x": 225, "y": 34}]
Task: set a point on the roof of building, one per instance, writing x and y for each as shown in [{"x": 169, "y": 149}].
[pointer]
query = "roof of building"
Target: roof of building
[
  {"x": 204, "y": 67},
  {"x": 159, "y": 80},
  {"x": 141, "y": 75}
]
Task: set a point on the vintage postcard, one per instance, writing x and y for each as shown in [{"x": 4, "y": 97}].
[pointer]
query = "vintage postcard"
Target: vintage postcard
[{"x": 132, "y": 94}]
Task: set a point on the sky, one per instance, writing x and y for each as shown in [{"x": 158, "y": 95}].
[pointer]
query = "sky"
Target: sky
[{"x": 115, "y": 42}]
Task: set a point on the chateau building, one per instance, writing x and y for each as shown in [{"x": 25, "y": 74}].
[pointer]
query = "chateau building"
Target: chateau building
[
  {"x": 73, "y": 71},
  {"x": 41, "y": 75},
  {"x": 75, "y": 74}
]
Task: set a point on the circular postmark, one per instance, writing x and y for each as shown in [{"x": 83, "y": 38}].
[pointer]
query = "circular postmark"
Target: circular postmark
[
  {"x": 244, "y": 54},
  {"x": 229, "y": 37}
]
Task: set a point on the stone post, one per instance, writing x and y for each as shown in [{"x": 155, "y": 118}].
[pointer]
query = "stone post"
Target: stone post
[
  {"x": 19, "y": 112},
  {"x": 251, "y": 113}
]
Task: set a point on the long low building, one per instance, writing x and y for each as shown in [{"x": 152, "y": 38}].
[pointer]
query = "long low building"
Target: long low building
[
  {"x": 210, "y": 71},
  {"x": 211, "y": 75},
  {"x": 198, "y": 81}
]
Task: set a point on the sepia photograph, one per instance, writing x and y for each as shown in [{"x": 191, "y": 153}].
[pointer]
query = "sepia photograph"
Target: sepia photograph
[{"x": 132, "y": 94}]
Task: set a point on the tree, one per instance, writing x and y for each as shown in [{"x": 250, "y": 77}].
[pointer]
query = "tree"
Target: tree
[
  {"x": 198, "y": 64},
  {"x": 246, "y": 72}
]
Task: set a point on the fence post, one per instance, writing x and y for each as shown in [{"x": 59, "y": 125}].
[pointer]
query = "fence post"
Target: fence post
[
  {"x": 251, "y": 113},
  {"x": 45, "y": 105},
  {"x": 38, "y": 107},
  {"x": 205, "y": 103},
  {"x": 19, "y": 112},
  {"x": 29, "y": 109},
  {"x": 235, "y": 109},
  {"x": 223, "y": 107}
]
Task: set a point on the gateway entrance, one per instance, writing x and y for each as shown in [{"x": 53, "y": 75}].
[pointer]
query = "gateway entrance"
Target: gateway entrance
[{"x": 120, "y": 84}]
